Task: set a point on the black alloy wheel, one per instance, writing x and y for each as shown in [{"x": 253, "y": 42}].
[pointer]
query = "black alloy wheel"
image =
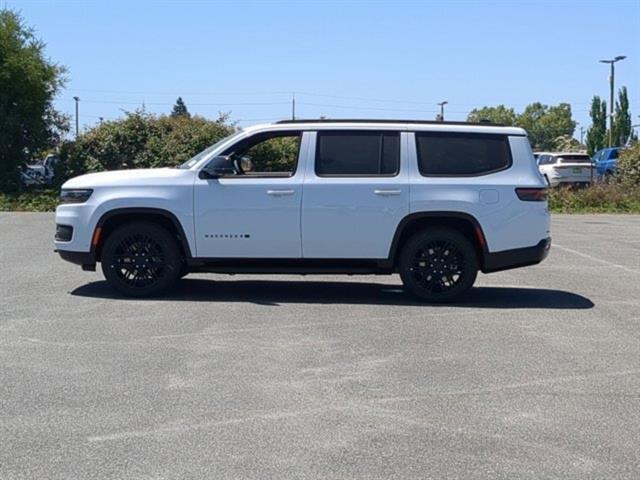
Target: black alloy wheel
[
  {"x": 141, "y": 259},
  {"x": 438, "y": 265}
]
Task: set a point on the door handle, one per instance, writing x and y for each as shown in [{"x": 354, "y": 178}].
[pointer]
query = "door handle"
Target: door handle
[
  {"x": 386, "y": 193},
  {"x": 280, "y": 193}
]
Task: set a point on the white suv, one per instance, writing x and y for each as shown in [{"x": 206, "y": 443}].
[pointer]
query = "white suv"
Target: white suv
[
  {"x": 568, "y": 168},
  {"x": 432, "y": 201}
]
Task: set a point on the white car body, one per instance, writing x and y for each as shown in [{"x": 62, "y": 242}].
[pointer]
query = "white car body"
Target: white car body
[
  {"x": 310, "y": 217},
  {"x": 565, "y": 168}
]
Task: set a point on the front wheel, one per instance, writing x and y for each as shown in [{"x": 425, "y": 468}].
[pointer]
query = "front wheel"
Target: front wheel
[
  {"x": 141, "y": 259},
  {"x": 438, "y": 265}
]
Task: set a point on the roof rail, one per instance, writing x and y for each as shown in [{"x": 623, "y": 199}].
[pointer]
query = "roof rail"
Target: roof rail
[{"x": 384, "y": 120}]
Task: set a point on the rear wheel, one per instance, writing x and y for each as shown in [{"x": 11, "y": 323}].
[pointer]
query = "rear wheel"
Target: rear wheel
[
  {"x": 141, "y": 259},
  {"x": 438, "y": 265}
]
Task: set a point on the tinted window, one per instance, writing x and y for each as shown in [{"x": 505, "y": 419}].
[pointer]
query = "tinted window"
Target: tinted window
[
  {"x": 461, "y": 153},
  {"x": 614, "y": 154},
  {"x": 367, "y": 153}
]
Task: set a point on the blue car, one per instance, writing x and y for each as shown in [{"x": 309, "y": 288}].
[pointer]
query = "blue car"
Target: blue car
[{"x": 605, "y": 161}]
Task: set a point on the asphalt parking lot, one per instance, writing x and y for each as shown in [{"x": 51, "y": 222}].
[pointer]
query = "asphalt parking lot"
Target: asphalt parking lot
[{"x": 535, "y": 375}]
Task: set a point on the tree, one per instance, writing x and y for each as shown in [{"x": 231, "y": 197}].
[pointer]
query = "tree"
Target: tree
[
  {"x": 500, "y": 115},
  {"x": 622, "y": 119},
  {"x": 597, "y": 133},
  {"x": 566, "y": 143},
  {"x": 28, "y": 84},
  {"x": 180, "y": 109},
  {"x": 141, "y": 140},
  {"x": 545, "y": 124}
]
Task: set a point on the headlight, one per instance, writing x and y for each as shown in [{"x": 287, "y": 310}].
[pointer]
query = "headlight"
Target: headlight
[{"x": 75, "y": 195}]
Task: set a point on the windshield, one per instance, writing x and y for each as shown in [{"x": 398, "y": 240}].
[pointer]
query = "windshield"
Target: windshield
[{"x": 193, "y": 160}]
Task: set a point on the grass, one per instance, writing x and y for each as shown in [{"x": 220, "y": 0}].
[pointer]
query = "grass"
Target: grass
[{"x": 600, "y": 198}]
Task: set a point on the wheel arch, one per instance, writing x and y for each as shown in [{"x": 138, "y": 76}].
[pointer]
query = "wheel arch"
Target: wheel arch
[
  {"x": 465, "y": 223},
  {"x": 112, "y": 219}
]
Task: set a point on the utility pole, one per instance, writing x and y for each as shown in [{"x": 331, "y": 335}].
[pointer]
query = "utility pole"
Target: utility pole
[
  {"x": 77, "y": 99},
  {"x": 293, "y": 106},
  {"x": 441, "y": 105},
  {"x": 611, "y": 87}
]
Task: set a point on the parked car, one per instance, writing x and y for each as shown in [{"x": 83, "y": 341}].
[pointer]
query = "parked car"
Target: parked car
[
  {"x": 39, "y": 173},
  {"x": 433, "y": 201},
  {"x": 606, "y": 162},
  {"x": 567, "y": 168}
]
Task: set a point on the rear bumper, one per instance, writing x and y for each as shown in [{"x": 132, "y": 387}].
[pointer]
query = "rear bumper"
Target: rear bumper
[
  {"x": 581, "y": 180},
  {"x": 519, "y": 257},
  {"x": 86, "y": 259}
]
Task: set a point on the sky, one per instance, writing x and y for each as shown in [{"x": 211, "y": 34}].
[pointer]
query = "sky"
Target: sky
[{"x": 341, "y": 59}]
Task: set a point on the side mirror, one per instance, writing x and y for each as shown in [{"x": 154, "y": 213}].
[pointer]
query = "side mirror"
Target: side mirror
[{"x": 218, "y": 167}]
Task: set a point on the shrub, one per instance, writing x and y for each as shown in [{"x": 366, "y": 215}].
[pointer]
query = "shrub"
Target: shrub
[
  {"x": 140, "y": 140},
  {"x": 628, "y": 170},
  {"x": 598, "y": 198},
  {"x": 33, "y": 201}
]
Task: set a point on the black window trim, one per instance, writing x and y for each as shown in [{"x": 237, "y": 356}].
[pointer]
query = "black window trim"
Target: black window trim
[
  {"x": 504, "y": 136},
  {"x": 269, "y": 134},
  {"x": 381, "y": 132}
]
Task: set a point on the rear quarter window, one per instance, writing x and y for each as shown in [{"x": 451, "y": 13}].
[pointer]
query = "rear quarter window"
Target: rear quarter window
[{"x": 461, "y": 154}]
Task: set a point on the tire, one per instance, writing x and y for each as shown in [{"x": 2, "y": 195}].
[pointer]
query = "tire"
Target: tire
[
  {"x": 153, "y": 248},
  {"x": 438, "y": 265},
  {"x": 184, "y": 271}
]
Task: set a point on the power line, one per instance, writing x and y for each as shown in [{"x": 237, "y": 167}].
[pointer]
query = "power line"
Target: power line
[
  {"x": 310, "y": 94},
  {"x": 163, "y": 104},
  {"x": 356, "y": 107}
]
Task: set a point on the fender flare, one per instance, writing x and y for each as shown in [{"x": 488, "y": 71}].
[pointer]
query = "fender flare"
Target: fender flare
[
  {"x": 146, "y": 211},
  {"x": 479, "y": 233}
]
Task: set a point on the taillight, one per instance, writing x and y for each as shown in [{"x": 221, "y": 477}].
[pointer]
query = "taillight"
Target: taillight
[{"x": 532, "y": 194}]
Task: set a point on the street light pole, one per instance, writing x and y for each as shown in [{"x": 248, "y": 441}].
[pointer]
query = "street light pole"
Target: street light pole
[
  {"x": 77, "y": 99},
  {"x": 611, "y": 91},
  {"x": 441, "y": 105}
]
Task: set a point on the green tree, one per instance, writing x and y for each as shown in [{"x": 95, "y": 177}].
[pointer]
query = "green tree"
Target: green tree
[
  {"x": 500, "y": 115},
  {"x": 28, "y": 84},
  {"x": 180, "y": 109},
  {"x": 566, "y": 143},
  {"x": 141, "y": 140},
  {"x": 545, "y": 124},
  {"x": 597, "y": 133},
  {"x": 622, "y": 119}
]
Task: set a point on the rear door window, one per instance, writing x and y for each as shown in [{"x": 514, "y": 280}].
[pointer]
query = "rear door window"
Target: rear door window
[
  {"x": 357, "y": 153},
  {"x": 461, "y": 154}
]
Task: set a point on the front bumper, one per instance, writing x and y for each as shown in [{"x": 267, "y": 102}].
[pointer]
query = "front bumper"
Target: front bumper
[
  {"x": 519, "y": 257},
  {"x": 86, "y": 259}
]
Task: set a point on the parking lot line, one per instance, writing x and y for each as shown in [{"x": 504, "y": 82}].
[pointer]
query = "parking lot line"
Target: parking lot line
[{"x": 591, "y": 257}]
